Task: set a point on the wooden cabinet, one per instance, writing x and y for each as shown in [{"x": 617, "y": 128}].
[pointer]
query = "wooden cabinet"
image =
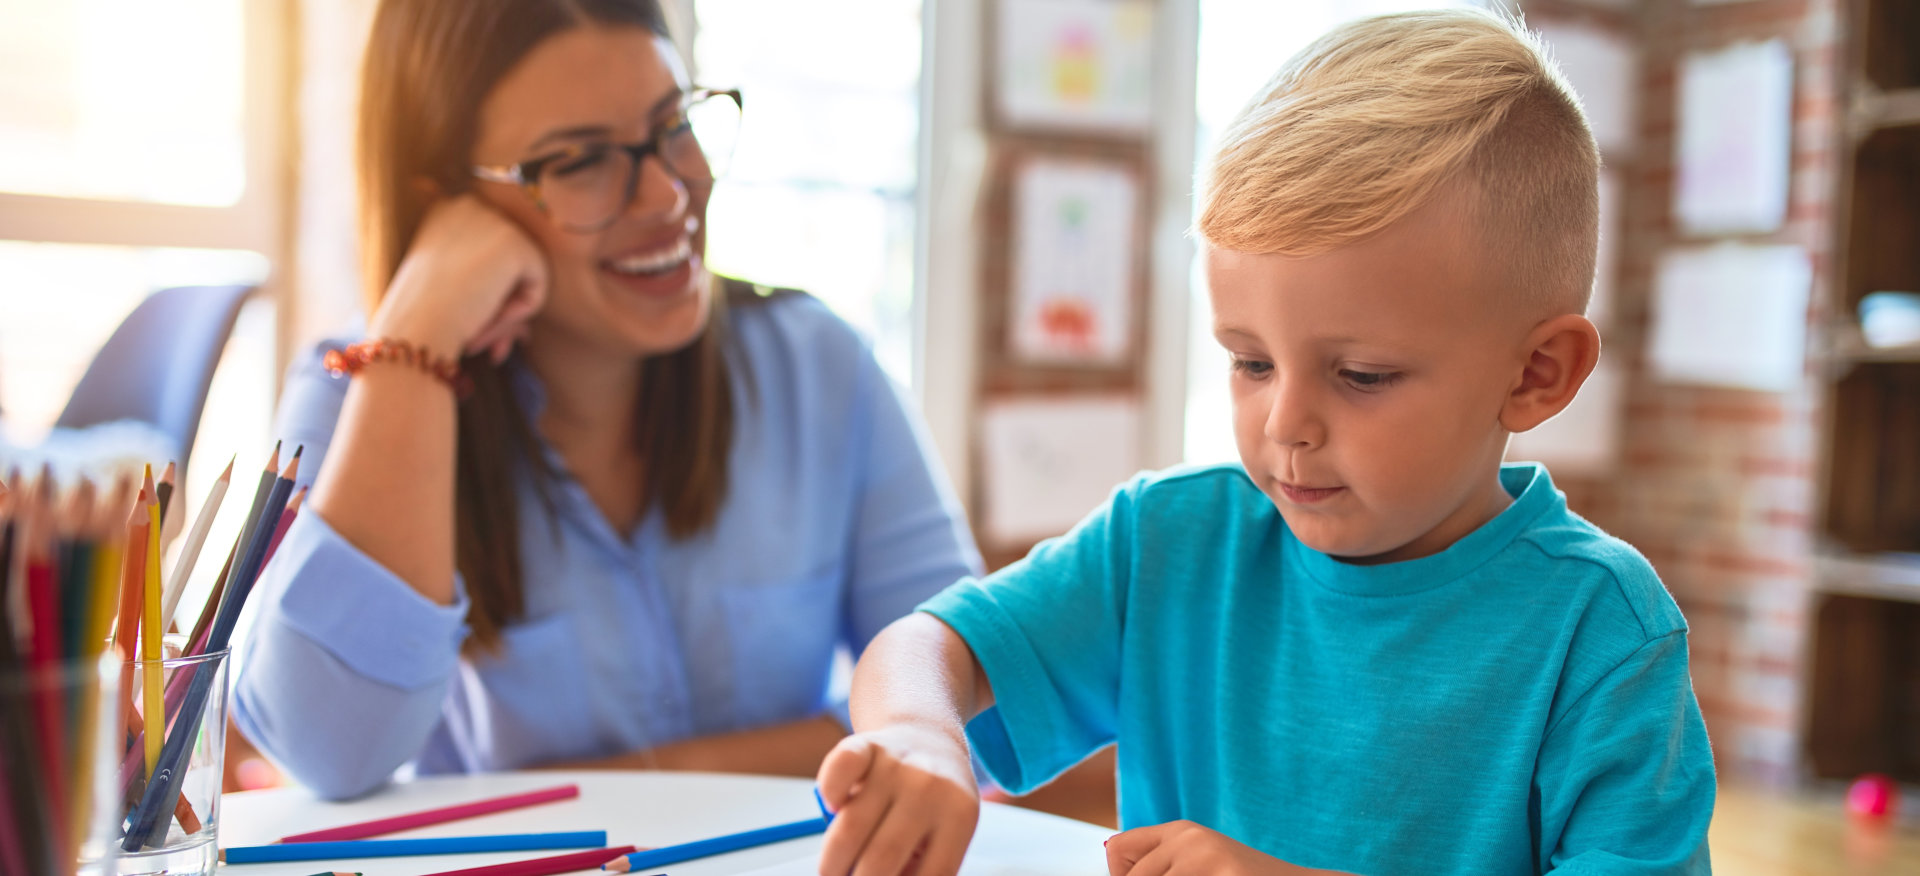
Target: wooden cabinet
[{"x": 1864, "y": 705}]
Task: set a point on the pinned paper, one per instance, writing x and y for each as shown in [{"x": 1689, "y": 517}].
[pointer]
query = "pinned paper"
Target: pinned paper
[
  {"x": 1051, "y": 461},
  {"x": 1735, "y": 143},
  {"x": 1074, "y": 261},
  {"x": 1075, "y": 64},
  {"x": 1732, "y": 315}
]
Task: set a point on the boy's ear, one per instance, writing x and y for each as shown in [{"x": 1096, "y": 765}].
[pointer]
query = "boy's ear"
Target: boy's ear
[{"x": 1559, "y": 354}]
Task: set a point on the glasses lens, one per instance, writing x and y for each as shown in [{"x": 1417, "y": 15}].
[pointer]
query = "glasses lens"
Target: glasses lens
[
  {"x": 714, "y": 124},
  {"x": 587, "y": 187}
]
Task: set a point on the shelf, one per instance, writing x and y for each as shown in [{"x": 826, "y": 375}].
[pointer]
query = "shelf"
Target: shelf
[
  {"x": 1875, "y": 110},
  {"x": 1849, "y": 348},
  {"x": 1877, "y": 576}
]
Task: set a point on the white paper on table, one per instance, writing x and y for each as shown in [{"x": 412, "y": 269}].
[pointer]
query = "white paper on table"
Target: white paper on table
[
  {"x": 1048, "y": 462},
  {"x": 1585, "y": 437},
  {"x": 1073, "y": 261},
  {"x": 1075, "y": 64},
  {"x": 1732, "y": 315},
  {"x": 1734, "y": 148},
  {"x": 1601, "y": 69}
]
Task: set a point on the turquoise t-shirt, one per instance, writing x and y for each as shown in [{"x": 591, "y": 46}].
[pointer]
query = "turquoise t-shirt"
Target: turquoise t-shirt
[{"x": 1517, "y": 703}]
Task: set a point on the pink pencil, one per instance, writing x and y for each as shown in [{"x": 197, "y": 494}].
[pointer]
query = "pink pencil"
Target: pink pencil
[
  {"x": 435, "y": 816},
  {"x": 567, "y": 863}
]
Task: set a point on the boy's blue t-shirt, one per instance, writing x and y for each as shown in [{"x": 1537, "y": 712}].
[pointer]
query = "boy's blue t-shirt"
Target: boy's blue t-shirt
[{"x": 1517, "y": 703}]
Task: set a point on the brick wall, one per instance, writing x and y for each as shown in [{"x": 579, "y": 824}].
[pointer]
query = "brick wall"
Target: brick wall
[{"x": 1717, "y": 487}]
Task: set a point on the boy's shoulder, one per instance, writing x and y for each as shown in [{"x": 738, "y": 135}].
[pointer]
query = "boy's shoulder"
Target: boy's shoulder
[{"x": 1604, "y": 575}]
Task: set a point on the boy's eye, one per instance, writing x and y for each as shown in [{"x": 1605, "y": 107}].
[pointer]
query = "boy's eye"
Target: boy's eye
[
  {"x": 1369, "y": 380},
  {"x": 1253, "y": 368}
]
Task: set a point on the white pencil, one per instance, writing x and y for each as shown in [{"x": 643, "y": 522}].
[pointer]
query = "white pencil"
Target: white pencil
[{"x": 190, "y": 552}]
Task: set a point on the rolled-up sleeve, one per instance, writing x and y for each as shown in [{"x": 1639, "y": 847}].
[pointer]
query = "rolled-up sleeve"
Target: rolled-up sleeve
[
  {"x": 342, "y": 677},
  {"x": 343, "y": 669}
]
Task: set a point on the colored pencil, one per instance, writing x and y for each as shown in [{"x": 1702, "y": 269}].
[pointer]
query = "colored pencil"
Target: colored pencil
[
  {"x": 718, "y": 845},
  {"x": 190, "y": 551},
  {"x": 147, "y": 824},
  {"x": 452, "y": 845},
  {"x": 152, "y": 708},
  {"x": 198, "y": 637},
  {"x": 133, "y": 565},
  {"x": 286, "y": 523},
  {"x": 164, "y": 492},
  {"x": 376, "y": 827},
  {"x": 568, "y": 863}
]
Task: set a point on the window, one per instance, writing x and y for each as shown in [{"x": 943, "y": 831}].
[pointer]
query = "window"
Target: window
[
  {"x": 820, "y": 196},
  {"x": 139, "y": 149}
]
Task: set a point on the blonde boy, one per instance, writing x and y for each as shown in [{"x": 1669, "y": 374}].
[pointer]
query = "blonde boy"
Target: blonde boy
[{"x": 1371, "y": 647}]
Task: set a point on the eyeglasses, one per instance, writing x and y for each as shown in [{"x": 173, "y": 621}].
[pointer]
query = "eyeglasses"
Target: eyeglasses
[{"x": 585, "y": 186}]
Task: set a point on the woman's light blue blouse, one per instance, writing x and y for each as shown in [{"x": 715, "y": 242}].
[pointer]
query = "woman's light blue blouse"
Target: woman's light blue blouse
[{"x": 837, "y": 521}]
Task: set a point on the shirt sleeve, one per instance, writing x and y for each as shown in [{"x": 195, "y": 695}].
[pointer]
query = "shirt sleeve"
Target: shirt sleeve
[
  {"x": 1626, "y": 778},
  {"x": 1048, "y": 630},
  {"x": 910, "y": 538},
  {"x": 343, "y": 667}
]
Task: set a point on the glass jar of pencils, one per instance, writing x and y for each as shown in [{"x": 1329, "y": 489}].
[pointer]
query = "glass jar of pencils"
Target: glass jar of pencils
[
  {"x": 167, "y": 775},
  {"x": 56, "y": 801}
]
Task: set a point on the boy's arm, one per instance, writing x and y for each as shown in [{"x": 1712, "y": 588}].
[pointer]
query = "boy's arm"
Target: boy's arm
[
  {"x": 903, "y": 785},
  {"x": 1626, "y": 777}
]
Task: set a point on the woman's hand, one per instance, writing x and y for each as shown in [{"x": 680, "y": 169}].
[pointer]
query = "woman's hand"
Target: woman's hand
[
  {"x": 904, "y": 801},
  {"x": 469, "y": 283},
  {"x": 1182, "y": 848}
]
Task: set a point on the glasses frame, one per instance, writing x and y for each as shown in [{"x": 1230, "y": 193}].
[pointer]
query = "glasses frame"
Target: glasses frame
[{"x": 526, "y": 174}]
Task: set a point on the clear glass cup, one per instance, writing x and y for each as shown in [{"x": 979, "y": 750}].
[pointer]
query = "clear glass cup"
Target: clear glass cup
[
  {"x": 181, "y": 834},
  {"x": 57, "y": 807}
]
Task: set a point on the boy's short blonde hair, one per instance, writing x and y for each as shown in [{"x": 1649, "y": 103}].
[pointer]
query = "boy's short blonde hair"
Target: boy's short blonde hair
[{"x": 1371, "y": 120}]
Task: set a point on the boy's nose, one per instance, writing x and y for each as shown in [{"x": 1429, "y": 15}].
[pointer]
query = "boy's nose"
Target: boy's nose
[{"x": 1291, "y": 421}]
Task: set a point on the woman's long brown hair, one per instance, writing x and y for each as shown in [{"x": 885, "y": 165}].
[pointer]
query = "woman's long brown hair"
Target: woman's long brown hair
[{"x": 429, "y": 65}]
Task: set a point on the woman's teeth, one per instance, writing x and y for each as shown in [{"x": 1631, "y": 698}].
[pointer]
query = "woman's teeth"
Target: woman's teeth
[{"x": 656, "y": 262}]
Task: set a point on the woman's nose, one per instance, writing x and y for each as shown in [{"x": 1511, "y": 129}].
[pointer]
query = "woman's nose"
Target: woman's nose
[{"x": 659, "y": 193}]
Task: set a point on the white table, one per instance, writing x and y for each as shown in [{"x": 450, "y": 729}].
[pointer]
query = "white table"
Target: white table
[{"x": 635, "y": 808}]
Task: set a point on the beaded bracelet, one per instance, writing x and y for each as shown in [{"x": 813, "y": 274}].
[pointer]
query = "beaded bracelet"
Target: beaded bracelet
[{"x": 355, "y": 356}]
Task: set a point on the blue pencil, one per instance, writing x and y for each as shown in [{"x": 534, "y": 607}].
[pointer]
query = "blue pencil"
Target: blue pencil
[
  {"x": 506, "y": 842},
  {"x": 718, "y": 845}
]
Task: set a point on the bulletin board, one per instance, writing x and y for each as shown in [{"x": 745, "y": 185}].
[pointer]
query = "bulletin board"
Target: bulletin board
[{"x": 1065, "y": 265}]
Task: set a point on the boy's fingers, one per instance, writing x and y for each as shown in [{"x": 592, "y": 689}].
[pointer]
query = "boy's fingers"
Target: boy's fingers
[
  {"x": 844, "y": 767},
  {"x": 944, "y": 851},
  {"x": 1158, "y": 862},
  {"x": 894, "y": 841},
  {"x": 1124, "y": 850},
  {"x": 851, "y": 832}
]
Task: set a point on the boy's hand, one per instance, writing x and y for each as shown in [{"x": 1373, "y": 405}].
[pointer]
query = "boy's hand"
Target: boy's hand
[
  {"x": 904, "y": 801},
  {"x": 1182, "y": 848}
]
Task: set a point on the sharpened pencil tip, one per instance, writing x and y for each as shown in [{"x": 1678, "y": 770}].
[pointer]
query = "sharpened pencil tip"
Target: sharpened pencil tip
[
  {"x": 617, "y": 865},
  {"x": 228, "y": 474}
]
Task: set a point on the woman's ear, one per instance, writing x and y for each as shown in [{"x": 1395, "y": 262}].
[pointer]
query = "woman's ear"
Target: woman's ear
[{"x": 1559, "y": 354}]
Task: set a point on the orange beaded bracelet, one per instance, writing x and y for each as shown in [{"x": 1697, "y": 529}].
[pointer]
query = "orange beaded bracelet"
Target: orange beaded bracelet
[{"x": 355, "y": 356}]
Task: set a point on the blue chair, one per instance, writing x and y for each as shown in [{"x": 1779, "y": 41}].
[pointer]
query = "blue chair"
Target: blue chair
[{"x": 158, "y": 365}]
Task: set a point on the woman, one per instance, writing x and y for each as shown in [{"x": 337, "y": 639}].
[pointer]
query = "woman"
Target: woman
[{"x": 668, "y": 499}]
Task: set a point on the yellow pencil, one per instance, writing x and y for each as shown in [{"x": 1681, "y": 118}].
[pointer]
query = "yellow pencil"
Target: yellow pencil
[{"x": 152, "y": 703}]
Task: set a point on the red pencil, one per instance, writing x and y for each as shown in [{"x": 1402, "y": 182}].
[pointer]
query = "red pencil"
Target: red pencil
[
  {"x": 443, "y": 815},
  {"x": 567, "y": 863}
]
